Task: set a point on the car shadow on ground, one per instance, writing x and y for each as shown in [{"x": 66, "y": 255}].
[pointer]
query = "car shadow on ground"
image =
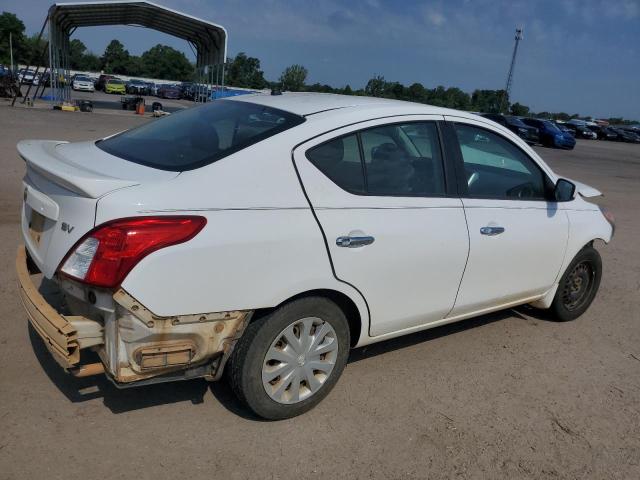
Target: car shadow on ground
[{"x": 118, "y": 400}]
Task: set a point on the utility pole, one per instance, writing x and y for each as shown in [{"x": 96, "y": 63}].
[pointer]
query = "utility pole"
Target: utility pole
[
  {"x": 11, "y": 50},
  {"x": 507, "y": 89}
]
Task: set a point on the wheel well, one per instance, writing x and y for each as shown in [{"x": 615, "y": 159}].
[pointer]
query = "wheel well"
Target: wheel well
[{"x": 343, "y": 301}]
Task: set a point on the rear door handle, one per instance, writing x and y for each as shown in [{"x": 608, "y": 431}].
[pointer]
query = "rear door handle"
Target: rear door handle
[
  {"x": 354, "y": 242},
  {"x": 491, "y": 231}
]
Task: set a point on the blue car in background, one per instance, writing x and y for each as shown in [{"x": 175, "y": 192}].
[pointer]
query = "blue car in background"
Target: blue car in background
[{"x": 550, "y": 135}]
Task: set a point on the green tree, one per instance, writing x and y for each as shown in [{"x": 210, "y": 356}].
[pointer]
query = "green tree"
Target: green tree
[
  {"x": 36, "y": 52},
  {"x": 167, "y": 63},
  {"x": 90, "y": 62},
  {"x": 135, "y": 66},
  {"x": 456, "y": 98},
  {"x": 115, "y": 58},
  {"x": 489, "y": 101},
  {"x": 519, "y": 110},
  {"x": 76, "y": 54},
  {"x": 437, "y": 96},
  {"x": 375, "y": 86},
  {"x": 9, "y": 23},
  {"x": 293, "y": 78},
  {"x": 317, "y": 87},
  {"x": 245, "y": 71},
  {"x": 417, "y": 93},
  {"x": 347, "y": 90}
]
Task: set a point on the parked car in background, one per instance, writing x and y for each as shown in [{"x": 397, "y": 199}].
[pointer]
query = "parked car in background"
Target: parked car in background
[
  {"x": 82, "y": 82},
  {"x": 187, "y": 90},
  {"x": 632, "y": 128},
  {"x": 565, "y": 129},
  {"x": 603, "y": 133},
  {"x": 27, "y": 77},
  {"x": 582, "y": 131},
  {"x": 9, "y": 85},
  {"x": 115, "y": 85},
  {"x": 136, "y": 87},
  {"x": 550, "y": 135},
  {"x": 527, "y": 133},
  {"x": 152, "y": 88},
  {"x": 102, "y": 81},
  {"x": 626, "y": 135},
  {"x": 172, "y": 267},
  {"x": 169, "y": 91}
]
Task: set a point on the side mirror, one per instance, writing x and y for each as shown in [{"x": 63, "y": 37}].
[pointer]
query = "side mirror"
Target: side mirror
[{"x": 564, "y": 190}]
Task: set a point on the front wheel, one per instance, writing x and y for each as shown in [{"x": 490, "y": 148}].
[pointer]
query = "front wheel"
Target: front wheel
[
  {"x": 285, "y": 363},
  {"x": 578, "y": 286}
]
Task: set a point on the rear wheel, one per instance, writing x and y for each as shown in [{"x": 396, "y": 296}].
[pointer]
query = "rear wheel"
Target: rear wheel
[
  {"x": 578, "y": 286},
  {"x": 287, "y": 362}
]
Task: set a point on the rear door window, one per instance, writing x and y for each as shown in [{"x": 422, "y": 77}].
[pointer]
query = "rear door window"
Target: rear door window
[
  {"x": 339, "y": 160},
  {"x": 390, "y": 160}
]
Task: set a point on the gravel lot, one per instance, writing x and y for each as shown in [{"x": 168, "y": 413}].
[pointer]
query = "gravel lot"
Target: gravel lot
[{"x": 508, "y": 395}]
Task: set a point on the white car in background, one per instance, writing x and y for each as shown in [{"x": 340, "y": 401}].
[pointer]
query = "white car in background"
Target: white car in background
[
  {"x": 273, "y": 233},
  {"x": 83, "y": 83},
  {"x": 27, "y": 77}
]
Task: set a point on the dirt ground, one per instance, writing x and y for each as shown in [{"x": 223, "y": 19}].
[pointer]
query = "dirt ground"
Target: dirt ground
[{"x": 508, "y": 395}]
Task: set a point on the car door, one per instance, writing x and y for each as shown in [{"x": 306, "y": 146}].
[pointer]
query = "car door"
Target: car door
[
  {"x": 517, "y": 235},
  {"x": 393, "y": 228}
]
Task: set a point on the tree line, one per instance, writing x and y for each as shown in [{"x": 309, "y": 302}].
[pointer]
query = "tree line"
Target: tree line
[
  {"x": 244, "y": 71},
  {"x": 165, "y": 62}
]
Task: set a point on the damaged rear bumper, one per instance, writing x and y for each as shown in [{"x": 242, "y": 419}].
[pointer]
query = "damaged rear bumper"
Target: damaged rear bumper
[
  {"x": 59, "y": 335},
  {"x": 135, "y": 346}
]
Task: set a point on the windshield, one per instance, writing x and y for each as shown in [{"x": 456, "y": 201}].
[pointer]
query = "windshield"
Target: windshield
[
  {"x": 82, "y": 79},
  {"x": 198, "y": 136},
  {"x": 551, "y": 126},
  {"x": 515, "y": 121},
  {"x": 115, "y": 82}
]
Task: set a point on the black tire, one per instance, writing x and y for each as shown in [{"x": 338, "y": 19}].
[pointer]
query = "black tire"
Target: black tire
[
  {"x": 244, "y": 370},
  {"x": 578, "y": 286}
]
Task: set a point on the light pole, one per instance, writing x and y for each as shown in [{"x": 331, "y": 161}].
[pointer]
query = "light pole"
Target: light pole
[
  {"x": 11, "y": 50},
  {"x": 507, "y": 88}
]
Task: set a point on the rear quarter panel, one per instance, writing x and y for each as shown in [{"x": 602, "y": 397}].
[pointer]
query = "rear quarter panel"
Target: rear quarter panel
[{"x": 260, "y": 247}]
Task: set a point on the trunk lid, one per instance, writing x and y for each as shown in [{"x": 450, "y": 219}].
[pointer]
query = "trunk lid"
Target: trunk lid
[{"x": 61, "y": 189}]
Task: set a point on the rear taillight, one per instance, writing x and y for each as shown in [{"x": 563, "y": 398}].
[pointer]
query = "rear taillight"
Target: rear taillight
[{"x": 105, "y": 256}]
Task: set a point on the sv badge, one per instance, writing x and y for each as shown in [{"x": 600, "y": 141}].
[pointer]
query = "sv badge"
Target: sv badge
[{"x": 66, "y": 227}]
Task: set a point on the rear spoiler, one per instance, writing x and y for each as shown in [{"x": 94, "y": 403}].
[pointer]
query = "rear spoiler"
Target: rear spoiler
[{"x": 42, "y": 156}]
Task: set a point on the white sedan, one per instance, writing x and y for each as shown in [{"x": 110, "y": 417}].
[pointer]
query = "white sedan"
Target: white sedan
[
  {"x": 84, "y": 83},
  {"x": 268, "y": 234}
]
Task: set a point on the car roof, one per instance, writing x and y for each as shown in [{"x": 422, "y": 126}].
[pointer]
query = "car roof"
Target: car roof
[{"x": 308, "y": 103}]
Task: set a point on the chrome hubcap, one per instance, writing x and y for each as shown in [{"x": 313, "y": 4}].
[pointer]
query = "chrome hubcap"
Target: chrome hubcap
[{"x": 299, "y": 360}]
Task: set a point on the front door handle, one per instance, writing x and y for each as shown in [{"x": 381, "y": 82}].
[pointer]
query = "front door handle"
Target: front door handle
[
  {"x": 491, "y": 231},
  {"x": 354, "y": 242}
]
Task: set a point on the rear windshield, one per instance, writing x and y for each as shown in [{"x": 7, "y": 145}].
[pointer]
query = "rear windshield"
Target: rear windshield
[{"x": 199, "y": 136}]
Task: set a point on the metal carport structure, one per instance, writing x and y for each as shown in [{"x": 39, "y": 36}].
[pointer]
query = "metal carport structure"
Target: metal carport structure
[{"x": 207, "y": 39}]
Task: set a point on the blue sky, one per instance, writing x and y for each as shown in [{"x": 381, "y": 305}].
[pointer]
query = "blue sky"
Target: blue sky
[{"x": 577, "y": 56}]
